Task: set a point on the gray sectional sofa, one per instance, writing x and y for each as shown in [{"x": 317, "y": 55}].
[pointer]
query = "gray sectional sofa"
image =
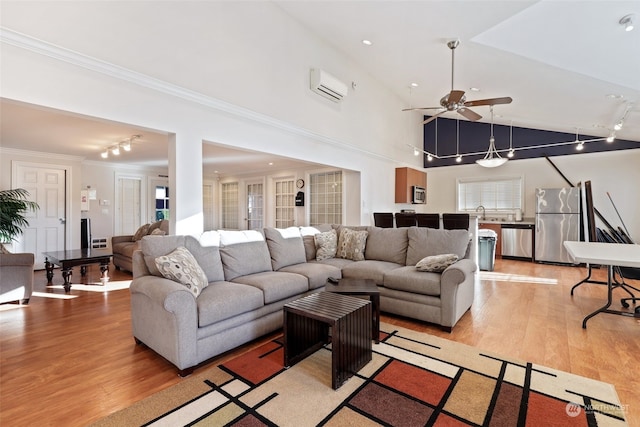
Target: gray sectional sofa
[{"x": 252, "y": 275}]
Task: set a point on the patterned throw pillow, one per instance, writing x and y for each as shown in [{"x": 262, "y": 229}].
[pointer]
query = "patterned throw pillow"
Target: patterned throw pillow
[
  {"x": 326, "y": 244},
  {"x": 140, "y": 232},
  {"x": 180, "y": 266},
  {"x": 351, "y": 244},
  {"x": 436, "y": 263}
]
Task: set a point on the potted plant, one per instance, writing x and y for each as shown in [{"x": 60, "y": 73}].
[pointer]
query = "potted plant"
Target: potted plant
[{"x": 14, "y": 204}]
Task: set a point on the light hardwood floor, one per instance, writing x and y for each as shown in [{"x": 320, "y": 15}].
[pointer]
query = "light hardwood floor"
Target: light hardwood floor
[{"x": 71, "y": 362}]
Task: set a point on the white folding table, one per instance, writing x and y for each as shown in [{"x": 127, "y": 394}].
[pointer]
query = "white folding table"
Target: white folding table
[{"x": 609, "y": 254}]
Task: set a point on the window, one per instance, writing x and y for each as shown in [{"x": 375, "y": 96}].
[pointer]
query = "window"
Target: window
[
  {"x": 162, "y": 202},
  {"x": 325, "y": 194},
  {"x": 230, "y": 206},
  {"x": 285, "y": 203},
  {"x": 255, "y": 202},
  {"x": 496, "y": 195}
]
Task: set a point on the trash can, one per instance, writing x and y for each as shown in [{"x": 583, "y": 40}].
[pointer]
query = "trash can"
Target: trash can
[{"x": 486, "y": 249}]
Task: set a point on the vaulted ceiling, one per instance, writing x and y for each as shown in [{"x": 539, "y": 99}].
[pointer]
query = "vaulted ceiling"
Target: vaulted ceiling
[{"x": 569, "y": 66}]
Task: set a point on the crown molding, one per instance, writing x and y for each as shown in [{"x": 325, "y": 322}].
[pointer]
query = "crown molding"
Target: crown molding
[
  {"x": 59, "y": 53},
  {"x": 29, "y": 153}
]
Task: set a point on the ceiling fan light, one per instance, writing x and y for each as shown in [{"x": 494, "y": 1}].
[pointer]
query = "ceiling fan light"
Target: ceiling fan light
[{"x": 627, "y": 22}]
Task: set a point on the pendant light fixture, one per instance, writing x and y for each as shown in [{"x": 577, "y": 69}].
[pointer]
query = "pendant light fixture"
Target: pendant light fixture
[{"x": 492, "y": 159}]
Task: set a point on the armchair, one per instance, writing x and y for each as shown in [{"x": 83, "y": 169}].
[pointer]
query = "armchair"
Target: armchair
[{"x": 16, "y": 277}]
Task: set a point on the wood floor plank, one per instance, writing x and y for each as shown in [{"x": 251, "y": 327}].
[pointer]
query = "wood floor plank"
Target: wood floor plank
[{"x": 71, "y": 362}]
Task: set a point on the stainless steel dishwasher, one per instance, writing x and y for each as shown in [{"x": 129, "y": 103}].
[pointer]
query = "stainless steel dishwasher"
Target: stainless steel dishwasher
[{"x": 517, "y": 241}]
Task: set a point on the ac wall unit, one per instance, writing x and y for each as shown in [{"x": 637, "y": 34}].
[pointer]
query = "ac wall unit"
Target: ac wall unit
[{"x": 326, "y": 85}]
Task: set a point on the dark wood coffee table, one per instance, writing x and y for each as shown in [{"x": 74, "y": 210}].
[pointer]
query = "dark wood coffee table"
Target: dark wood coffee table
[
  {"x": 77, "y": 257},
  {"x": 361, "y": 287},
  {"x": 306, "y": 329}
]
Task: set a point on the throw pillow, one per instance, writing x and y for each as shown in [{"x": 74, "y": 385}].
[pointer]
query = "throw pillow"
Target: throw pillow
[
  {"x": 436, "y": 263},
  {"x": 140, "y": 232},
  {"x": 351, "y": 244},
  {"x": 180, "y": 266},
  {"x": 157, "y": 232},
  {"x": 326, "y": 244}
]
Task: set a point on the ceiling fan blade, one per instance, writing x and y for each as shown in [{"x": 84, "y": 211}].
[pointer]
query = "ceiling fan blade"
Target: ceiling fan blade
[
  {"x": 469, "y": 114},
  {"x": 455, "y": 96},
  {"x": 422, "y": 108},
  {"x": 490, "y": 101},
  {"x": 435, "y": 116}
]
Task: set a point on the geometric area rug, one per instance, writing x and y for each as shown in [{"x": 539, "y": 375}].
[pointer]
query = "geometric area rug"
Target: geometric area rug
[{"x": 414, "y": 379}]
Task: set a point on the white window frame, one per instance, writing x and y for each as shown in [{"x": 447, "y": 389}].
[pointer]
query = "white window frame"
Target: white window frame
[
  {"x": 489, "y": 192},
  {"x": 326, "y": 200},
  {"x": 284, "y": 194}
]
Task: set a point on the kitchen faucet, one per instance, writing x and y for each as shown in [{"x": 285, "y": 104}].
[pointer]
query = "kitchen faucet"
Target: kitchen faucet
[{"x": 483, "y": 214}]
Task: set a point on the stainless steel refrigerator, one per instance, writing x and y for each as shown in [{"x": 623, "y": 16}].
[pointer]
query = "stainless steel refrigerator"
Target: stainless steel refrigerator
[{"x": 557, "y": 220}]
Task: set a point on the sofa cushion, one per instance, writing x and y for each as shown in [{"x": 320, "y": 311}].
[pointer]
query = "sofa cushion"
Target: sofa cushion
[
  {"x": 140, "y": 232},
  {"x": 436, "y": 263},
  {"x": 316, "y": 273},
  {"x": 308, "y": 240},
  {"x": 223, "y": 300},
  {"x": 408, "y": 279},
  {"x": 326, "y": 245},
  {"x": 276, "y": 285},
  {"x": 125, "y": 248},
  {"x": 243, "y": 252},
  {"x": 336, "y": 262},
  {"x": 387, "y": 244},
  {"x": 352, "y": 244},
  {"x": 155, "y": 246},
  {"x": 425, "y": 242},
  {"x": 180, "y": 266},
  {"x": 369, "y": 269},
  {"x": 285, "y": 246}
]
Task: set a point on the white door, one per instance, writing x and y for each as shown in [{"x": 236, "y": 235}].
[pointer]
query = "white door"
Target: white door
[
  {"x": 46, "y": 231},
  {"x": 129, "y": 207},
  {"x": 255, "y": 206}
]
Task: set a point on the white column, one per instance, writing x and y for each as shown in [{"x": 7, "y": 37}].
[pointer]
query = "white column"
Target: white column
[{"x": 185, "y": 184}]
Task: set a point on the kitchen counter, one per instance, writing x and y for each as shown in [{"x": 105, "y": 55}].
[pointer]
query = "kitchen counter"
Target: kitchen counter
[{"x": 525, "y": 221}]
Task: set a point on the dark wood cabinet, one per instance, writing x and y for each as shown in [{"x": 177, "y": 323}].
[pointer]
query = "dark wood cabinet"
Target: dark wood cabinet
[{"x": 405, "y": 179}]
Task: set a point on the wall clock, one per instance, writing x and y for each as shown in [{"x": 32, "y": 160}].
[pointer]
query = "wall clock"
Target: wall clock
[{"x": 300, "y": 183}]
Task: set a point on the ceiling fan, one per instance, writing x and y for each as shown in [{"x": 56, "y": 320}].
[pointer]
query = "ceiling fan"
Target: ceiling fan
[{"x": 456, "y": 101}]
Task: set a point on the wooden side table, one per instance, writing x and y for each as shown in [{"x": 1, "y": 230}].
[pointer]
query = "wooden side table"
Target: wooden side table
[
  {"x": 306, "y": 329},
  {"x": 361, "y": 287}
]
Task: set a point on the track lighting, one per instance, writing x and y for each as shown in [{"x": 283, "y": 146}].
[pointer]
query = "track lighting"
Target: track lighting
[
  {"x": 627, "y": 22},
  {"x": 459, "y": 158},
  {"x": 580, "y": 146},
  {"x": 429, "y": 157},
  {"x": 416, "y": 152},
  {"x": 618, "y": 125},
  {"x": 511, "y": 153},
  {"x": 611, "y": 137},
  {"x": 124, "y": 144}
]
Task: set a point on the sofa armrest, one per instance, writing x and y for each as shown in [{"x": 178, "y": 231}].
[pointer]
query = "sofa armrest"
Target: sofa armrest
[
  {"x": 17, "y": 260},
  {"x": 457, "y": 288},
  {"x": 164, "y": 316},
  {"x": 120, "y": 239},
  {"x": 457, "y": 272}
]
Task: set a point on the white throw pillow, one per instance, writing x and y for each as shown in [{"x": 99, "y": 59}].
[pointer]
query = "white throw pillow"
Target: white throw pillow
[
  {"x": 180, "y": 266},
  {"x": 436, "y": 263}
]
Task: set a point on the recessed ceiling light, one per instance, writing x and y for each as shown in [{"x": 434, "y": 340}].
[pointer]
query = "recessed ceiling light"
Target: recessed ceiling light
[
  {"x": 366, "y": 42},
  {"x": 414, "y": 84}
]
